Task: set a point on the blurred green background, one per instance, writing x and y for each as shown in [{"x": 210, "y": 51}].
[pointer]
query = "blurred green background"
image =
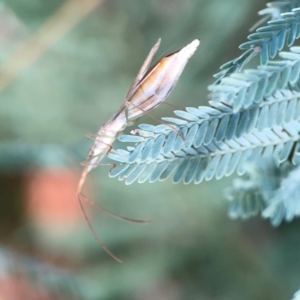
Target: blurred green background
[{"x": 65, "y": 68}]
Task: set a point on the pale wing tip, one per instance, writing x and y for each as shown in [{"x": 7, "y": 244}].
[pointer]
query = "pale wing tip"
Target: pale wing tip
[
  {"x": 190, "y": 49},
  {"x": 194, "y": 44},
  {"x": 196, "y": 41}
]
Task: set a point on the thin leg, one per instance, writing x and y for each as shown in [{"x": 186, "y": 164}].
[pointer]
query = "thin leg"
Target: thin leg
[
  {"x": 94, "y": 136},
  {"x": 113, "y": 165},
  {"x": 103, "y": 246},
  {"x": 86, "y": 163},
  {"x": 146, "y": 113},
  {"x": 173, "y": 105},
  {"x": 126, "y": 114},
  {"x": 79, "y": 192},
  {"x": 113, "y": 214}
]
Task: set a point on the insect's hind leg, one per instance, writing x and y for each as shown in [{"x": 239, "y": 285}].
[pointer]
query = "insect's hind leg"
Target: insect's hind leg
[
  {"x": 103, "y": 246},
  {"x": 80, "y": 195},
  {"x": 116, "y": 216}
]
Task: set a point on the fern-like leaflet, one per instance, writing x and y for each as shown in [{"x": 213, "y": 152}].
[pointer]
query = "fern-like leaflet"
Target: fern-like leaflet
[
  {"x": 217, "y": 139},
  {"x": 267, "y": 41}
]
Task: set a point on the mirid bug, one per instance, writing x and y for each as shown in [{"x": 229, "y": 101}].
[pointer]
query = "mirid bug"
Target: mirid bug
[{"x": 149, "y": 89}]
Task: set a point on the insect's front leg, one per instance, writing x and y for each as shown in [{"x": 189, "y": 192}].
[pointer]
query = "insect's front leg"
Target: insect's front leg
[{"x": 97, "y": 136}]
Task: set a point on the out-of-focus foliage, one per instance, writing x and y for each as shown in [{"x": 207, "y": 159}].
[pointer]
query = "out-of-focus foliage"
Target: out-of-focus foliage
[
  {"x": 274, "y": 10},
  {"x": 20, "y": 273},
  {"x": 269, "y": 190},
  {"x": 63, "y": 73}
]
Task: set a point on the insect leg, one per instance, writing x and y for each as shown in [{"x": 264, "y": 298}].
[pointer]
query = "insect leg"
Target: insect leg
[
  {"x": 148, "y": 114},
  {"x": 126, "y": 114},
  {"x": 103, "y": 246},
  {"x": 79, "y": 192},
  {"x": 173, "y": 105},
  {"x": 80, "y": 195},
  {"x": 113, "y": 214},
  {"x": 88, "y": 163},
  {"x": 95, "y": 136}
]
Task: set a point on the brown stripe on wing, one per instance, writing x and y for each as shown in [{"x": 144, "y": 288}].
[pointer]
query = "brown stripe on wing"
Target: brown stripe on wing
[{"x": 148, "y": 104}]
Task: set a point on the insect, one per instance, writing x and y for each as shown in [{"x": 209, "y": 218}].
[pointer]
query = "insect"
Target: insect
[{"x": 149, "y": 89}]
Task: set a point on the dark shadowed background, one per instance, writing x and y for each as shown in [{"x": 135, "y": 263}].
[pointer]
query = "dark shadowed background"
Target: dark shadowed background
[{"x": 65, "y": 68}]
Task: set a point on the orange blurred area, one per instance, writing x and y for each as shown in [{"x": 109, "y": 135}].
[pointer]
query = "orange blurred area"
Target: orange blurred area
[
  {"x": 51, "y": 200},
  {"x": 19, "y": 289}
]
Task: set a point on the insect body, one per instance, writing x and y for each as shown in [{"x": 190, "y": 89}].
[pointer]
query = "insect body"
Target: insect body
[{"x": 149, "y": 89}]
